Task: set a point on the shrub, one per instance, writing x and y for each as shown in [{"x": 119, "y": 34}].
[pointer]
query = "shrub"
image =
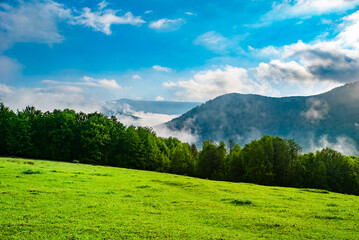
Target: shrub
[
  {"x": 29, "y": 162},
  {"x": 30, "y": 171}
]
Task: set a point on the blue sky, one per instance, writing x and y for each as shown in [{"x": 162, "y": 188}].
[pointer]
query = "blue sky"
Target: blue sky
[{"x": 78, "y": 54}]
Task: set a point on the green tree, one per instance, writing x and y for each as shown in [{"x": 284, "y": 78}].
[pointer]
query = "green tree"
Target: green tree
[
  {"x": 211, "y": 160},
  {"x": 6, "y": 118},
  {"x": 234, "y": 169},
  {"x": 95, "y": 136}
]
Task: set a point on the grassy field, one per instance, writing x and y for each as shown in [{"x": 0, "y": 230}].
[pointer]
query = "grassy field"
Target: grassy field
[{"x": 54, "y": 200}]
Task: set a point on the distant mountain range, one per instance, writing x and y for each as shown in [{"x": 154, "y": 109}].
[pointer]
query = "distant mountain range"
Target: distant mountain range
[
  {"x": 127, "y": 109},
  {"x": 309, "y": 120}
]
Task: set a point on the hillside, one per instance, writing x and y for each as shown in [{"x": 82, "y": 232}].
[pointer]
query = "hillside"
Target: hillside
[
  {"x": 243, "y": 117},
  {"x": 56, "y": 200}
]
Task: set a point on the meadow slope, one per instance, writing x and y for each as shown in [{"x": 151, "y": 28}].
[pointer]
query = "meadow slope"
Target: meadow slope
[{"x": 57, "y": 200}]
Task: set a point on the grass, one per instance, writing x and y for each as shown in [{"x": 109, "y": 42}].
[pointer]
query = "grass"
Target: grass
[{"x": 76, "y": 201}]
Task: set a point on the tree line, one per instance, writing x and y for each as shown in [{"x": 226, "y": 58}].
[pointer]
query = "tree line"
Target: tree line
[{"x": 65, "y": 135}]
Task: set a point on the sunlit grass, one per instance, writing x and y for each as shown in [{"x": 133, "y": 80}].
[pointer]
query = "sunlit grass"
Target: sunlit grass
[{"x": 55, "y": 200}]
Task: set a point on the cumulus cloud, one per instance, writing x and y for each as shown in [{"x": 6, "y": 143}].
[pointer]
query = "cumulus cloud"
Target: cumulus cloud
[
  {"x": 103, "y": 20},
  {"x": 316, "y": 110},
  {"x": 159, "y": 98},
  {"x": 37, "y": 21},
  {"x": 209, "y": 84},
  {"x": 283, "y": 71},
  {"x": 33, "y": 21},
  {"x": 306, "y": 8},
  {"x": 159, "y": 68},
  {"x": 349, "y": 36},
  {"x": 336, "y": 60},
  {"x": 167, "y": 25}
]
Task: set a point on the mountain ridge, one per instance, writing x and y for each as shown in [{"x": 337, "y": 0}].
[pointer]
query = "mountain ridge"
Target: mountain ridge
[{"x": 306, "y": 119}]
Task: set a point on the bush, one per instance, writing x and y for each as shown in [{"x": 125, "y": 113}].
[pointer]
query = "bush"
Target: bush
[{"x": 30, "y": 171}]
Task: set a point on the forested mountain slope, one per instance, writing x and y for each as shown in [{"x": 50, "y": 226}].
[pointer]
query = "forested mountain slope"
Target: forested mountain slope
[{"x": 242, "y": 117}]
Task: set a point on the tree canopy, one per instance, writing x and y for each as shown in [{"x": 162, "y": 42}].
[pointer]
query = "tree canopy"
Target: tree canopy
[{"x": 64, "y": 135}]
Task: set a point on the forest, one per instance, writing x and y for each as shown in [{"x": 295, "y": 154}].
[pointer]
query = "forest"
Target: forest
[{"x": 65, "y": 135}]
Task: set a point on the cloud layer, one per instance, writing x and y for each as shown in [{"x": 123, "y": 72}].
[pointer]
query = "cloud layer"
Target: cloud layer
[{"x": 209, "y": 84}]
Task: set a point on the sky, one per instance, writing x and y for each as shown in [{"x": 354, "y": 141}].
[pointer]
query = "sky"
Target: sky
[{"x": 79, "y": 54}]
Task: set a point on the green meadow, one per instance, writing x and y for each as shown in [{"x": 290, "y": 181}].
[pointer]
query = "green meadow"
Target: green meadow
[{"x": 57, "y": 200}]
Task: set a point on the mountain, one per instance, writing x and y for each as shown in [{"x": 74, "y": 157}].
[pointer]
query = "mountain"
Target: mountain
[{"x": 328, "y": 118}]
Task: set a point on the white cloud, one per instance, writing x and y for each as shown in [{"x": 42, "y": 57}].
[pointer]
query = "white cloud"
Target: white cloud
[
  {"x": 169, "y": 84},
  {"x": 144, "y": 119},
  {"x": 102, "y": 5},
  {"x": 335, "y": 61},
  {"x": 190, "y": 13},
  {"x": 349, "y": 37},
  {"x": 183, "y": 135},
  {"x": 33, "y": 21},
  {"x": 209, "y": 84},
  {"x": 213, "y": 41},
  {"x": 167, "y": 25},
  {"x": 159, "y": 68},
  {"x": 105, "y": 83},
  {"x": 9, "y": 69},
  {"x": 159, "y": 98},
  {"x": 89, "y": 81},
  {"x": 343, "y": 144},
  {"x": 128, "y": 116},
  {"x": 37, "y": 21},
  {"x": 277, "y": 71},
  {"x": 216, "y": 42},
  {"x": 148, "y": 11},
  {"x": 48, "y": 99},
  {"x": 108, "y": 84},
  {"x": 316, "y": 110},
  {"x": 306, "y": 8},
  {"x": 102, "y": 20},
  {"x": 4, "y": 89},
  {"x": 136, "y": 77}
]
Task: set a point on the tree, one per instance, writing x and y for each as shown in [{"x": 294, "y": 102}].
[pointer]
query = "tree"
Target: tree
[
  {"x": 211, "y": 160},
  {"x": 95, "y": 135},
  {"x": 6, "y": 118},
  {"x": 340, "y": 173},
  {"x": 181, "y": 160},
  {"x": 281, "y": 161},
  {"x": 234, "y": 169},
  {"x": 230, "y": 145},
  {"x": 256, "y": 157}
]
